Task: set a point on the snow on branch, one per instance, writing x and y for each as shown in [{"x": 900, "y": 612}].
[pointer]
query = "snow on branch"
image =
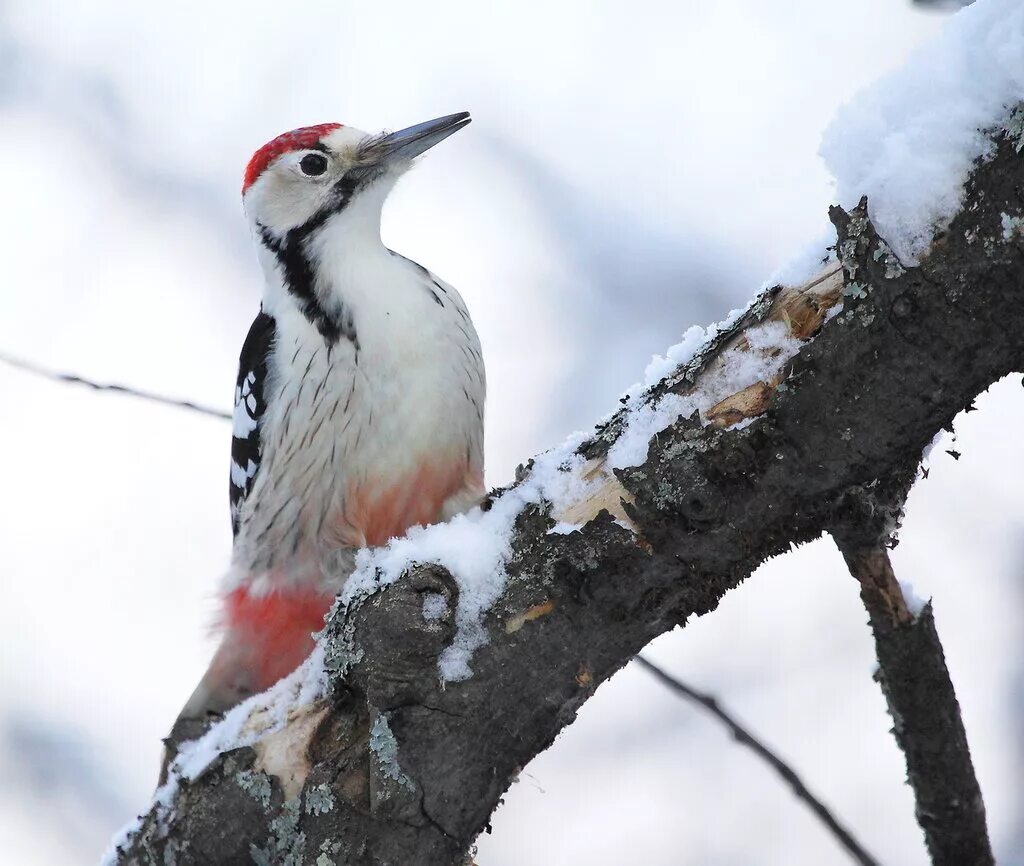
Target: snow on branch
[
  {"x": 456, "y": 654},
  {"x": 910, "y": 141}
]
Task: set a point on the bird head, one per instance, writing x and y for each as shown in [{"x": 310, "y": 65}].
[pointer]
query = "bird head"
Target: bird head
[{"x": 302, "y": 179}]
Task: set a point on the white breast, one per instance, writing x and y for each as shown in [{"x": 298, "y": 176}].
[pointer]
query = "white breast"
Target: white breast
[{"x": 365, "y": 414}]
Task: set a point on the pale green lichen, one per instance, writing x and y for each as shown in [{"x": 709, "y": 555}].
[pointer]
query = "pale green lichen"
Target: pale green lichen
[
  {"x": 858, "y": 225},
  {"x": 854, "y": 244},
  {"x": 1012, "y": 225},
  {"x": 385, "y": 747},
  {"x": 328, "y": 848},
  {"x": 287, "y": 844},
  {"x": 319, "y": 800},
  {"x": 893, "y": 267},
  {"x": 848, "y": 256},
  {"x": 340, "y": 650},
  {"x": 856, "y": 291},
  {"x": 256, "y": 785},
  {"x": 1015, "y": 127}
]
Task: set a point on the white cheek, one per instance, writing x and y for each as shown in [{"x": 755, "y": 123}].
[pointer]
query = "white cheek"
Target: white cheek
[{"x": 283, "y": 198}]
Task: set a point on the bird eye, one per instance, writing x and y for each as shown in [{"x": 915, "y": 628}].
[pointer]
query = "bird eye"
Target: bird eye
[{"x": 313, "y": 164}]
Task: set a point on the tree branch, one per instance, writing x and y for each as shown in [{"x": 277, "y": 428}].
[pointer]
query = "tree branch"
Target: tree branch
[
  {"x": 912, "y": 667},
  {"x": 393, "y": 766},
  {"x": 926, "y": 716},
  {"x": 788, "y": 774}
]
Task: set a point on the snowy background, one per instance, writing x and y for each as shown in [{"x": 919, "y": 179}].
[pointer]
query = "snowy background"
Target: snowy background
[{"x": 627, "y": 175}]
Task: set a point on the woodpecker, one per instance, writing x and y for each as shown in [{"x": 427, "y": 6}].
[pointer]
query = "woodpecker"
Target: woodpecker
[{"x": 358, "y": 408}]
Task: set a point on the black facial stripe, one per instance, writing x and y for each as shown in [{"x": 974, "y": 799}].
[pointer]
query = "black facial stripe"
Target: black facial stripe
[
  {"x": 297, "y": 267},
  {"x": 299, "y": 278}
]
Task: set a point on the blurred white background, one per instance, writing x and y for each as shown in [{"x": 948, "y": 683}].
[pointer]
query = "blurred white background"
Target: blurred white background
[{"x": 631, "y": 170}]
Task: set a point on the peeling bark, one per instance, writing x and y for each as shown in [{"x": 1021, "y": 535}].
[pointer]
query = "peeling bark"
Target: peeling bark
[{"x": 867, "y": 392}]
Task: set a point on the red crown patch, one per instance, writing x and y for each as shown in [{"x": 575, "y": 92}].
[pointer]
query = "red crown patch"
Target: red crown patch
[{"x": 297, "y": 139}]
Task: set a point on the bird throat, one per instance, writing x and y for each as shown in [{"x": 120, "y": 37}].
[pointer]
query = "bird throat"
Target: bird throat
[{"x": 333, "y": 321}]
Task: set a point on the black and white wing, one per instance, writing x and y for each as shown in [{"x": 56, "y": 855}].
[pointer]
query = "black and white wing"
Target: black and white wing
[{"x": 250, "y": 404}]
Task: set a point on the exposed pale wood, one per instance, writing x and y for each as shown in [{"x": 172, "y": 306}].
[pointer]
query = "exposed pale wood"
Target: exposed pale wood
[
  {"x": 284, "y": 754},
  {"x": 607, "y": 494}
]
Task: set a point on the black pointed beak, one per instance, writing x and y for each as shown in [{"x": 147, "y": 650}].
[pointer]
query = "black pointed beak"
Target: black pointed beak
[{"x": 409, "y": 143}]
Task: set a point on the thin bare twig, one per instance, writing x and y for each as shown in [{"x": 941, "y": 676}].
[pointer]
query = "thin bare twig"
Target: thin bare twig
[
  {"x": 36, "y": 370},
  {"x": 743, "y": 736}
]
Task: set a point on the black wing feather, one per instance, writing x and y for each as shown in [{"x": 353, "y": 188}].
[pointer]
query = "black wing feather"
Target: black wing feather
[{"x": 250, "y": 404}]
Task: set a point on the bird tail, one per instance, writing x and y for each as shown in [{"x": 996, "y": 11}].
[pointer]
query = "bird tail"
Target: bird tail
[{"x": 266, "y": 636}]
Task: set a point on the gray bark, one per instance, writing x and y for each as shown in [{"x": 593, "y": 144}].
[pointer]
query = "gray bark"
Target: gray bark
[{"x": 395, "y": 769}]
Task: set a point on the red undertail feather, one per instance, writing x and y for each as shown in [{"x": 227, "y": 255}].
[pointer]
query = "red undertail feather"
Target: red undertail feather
[
  {"x": 267, "y": 635},
  {"x": 275, "y": 628}
]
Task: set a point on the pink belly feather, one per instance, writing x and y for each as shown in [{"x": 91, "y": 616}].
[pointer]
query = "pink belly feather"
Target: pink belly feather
[{"x": 272, "y": 630}]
